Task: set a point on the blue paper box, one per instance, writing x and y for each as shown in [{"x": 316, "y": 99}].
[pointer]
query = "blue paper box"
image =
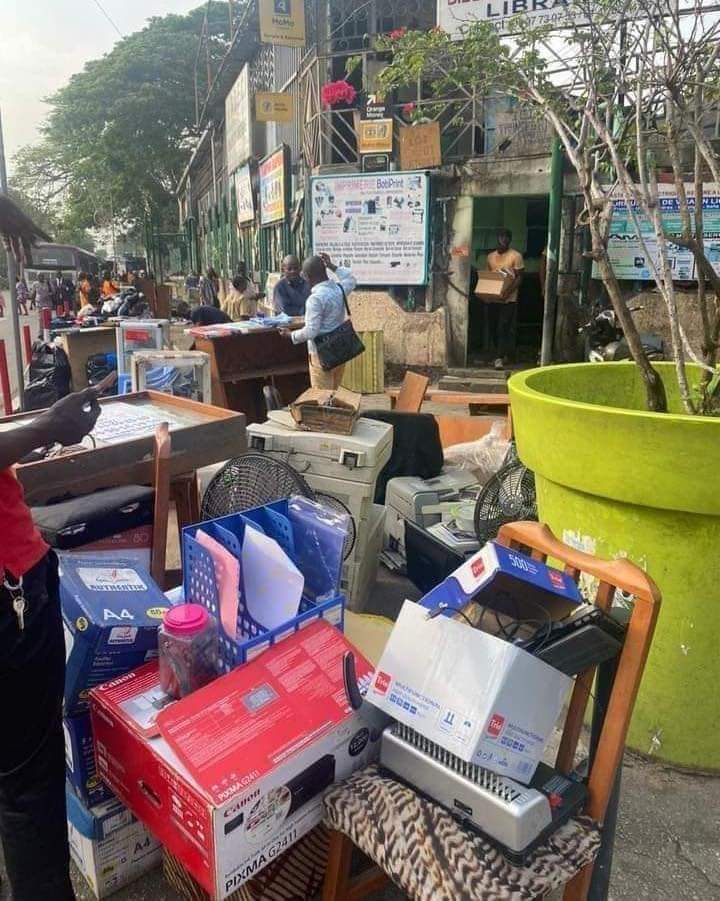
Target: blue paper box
[
  {"x": 80, "y": 765},
  {"x": 510, "y": 582},
  {"x": 111, "y": 615}
]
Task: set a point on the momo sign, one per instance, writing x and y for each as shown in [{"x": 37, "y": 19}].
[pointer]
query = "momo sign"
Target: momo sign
[{"x": 454, "y": 15}]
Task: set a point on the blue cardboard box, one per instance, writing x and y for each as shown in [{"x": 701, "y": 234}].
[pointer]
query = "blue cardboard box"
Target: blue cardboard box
[
  {"x": 80, "y": 767},
  {"x": 111, "y": 614},
  {"x": 510, "y": 582}
]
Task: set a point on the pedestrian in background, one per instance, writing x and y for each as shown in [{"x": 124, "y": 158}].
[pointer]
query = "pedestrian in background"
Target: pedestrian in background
[
  {"x": 209, "y": 288},
  {"x": 241, "y": 300},
  {"x": 41, "y": 293},
  {"x": 23, "y": 294},
  {"x": 292, "y": 291},
  {"x": 324, "y": 312},
  {"x": 502, "y": 314}
]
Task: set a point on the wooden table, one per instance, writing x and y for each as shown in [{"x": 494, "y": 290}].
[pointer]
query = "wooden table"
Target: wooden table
[
  {"x": 201, "y": 435},
  {"x": 241, "y": 364},
  {"x": 81, "y": 343}
]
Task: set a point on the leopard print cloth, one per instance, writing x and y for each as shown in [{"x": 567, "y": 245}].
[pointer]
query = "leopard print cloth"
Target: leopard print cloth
[{"x": 432, "y": 858}]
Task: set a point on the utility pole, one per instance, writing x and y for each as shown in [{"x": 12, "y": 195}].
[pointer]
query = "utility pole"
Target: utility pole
[{"x": 14, "y": 317}]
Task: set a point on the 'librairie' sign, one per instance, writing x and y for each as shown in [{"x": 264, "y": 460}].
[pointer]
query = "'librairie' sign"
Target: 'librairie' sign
[{"x": 455, "y": 15}]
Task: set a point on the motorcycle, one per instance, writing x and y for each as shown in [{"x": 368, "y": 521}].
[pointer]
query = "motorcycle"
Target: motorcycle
[{"x": 605, "y": 341}]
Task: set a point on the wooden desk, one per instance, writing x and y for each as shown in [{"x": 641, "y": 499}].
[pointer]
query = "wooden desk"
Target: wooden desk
[
  {"x": 79, "y": 344},
  {"x": 242, "y": 364},
  {"x": 201, "y": 435}
]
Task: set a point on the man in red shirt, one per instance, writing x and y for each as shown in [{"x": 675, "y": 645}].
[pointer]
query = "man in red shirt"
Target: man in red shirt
[{"x": 33, "y": 826}]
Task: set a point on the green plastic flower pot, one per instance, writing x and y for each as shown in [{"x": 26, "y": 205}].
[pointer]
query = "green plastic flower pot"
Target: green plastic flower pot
[{"x": 615, "y": 480}]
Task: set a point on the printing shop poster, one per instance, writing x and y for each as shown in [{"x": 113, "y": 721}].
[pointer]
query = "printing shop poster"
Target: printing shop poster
[{"x": 377, "y": 225}]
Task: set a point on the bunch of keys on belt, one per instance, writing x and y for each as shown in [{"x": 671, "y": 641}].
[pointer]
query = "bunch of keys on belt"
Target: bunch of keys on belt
[{"x": 18, "y": 601}]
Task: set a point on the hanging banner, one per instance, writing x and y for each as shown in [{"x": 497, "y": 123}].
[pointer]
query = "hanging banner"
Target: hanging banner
[
  {"x": 629, "y": 258},
  {"x": 282, "y": 22},
  {"x": 420, "y": 146},
  {"x": 374, "y": 135},
  {"x": 375, "y": 224},
  {"x": 454, "y": 16},
  {"x": 238, "y": 142},
  {"x": 273, "y": 107},
  {"x": 244, "y": 196},
  {"x": 273, "y": 187}
]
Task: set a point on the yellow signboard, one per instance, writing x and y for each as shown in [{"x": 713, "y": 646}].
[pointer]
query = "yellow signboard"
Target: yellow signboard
[
  {"x": 282, "y": 22},
  {"x": 273, "y": 107},
  {"x": 375, "y": 135}
]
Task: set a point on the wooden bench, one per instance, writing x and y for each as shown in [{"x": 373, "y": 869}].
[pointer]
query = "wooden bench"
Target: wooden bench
[{"x": 478, "y": 404}]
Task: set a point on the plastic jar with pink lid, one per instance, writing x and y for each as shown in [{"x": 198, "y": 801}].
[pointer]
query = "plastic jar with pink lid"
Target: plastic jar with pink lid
[{"x": 188, "y": 643}]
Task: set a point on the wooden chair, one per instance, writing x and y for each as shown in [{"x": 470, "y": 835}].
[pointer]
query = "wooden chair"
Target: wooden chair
[
  {"x": 412, "y": 393},
  {"x": 541, "y": 544},
  {"x": 158, "y": 557}
]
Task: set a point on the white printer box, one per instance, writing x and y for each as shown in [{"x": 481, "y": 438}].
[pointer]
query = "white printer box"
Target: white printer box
[
  {"x": 476, "y": 695},
  {"x": 109, "y": 846}
]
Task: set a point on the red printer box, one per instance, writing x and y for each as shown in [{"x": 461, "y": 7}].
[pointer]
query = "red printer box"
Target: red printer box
[{"x": 232, "y": 775}]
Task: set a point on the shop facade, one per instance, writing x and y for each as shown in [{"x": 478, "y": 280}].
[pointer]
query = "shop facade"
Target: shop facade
[{"x": 253, "y": 191}]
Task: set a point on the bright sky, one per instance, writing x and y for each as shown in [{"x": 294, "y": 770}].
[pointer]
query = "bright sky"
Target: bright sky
[{"x": 43, "y": 42}]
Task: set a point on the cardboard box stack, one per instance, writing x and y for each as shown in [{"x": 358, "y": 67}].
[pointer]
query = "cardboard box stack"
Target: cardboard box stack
[
  {"x": 231, "y": 776},
  {"x": 473, "y": 692},
  {"x": 111, "y": 612}
]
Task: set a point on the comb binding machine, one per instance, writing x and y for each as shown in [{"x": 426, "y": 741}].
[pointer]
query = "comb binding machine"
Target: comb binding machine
[{"x": 515, "y": 818}]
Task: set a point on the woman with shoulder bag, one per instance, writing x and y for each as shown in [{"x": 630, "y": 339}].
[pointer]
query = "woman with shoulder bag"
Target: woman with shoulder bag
[{"x": 331, "y": 339}]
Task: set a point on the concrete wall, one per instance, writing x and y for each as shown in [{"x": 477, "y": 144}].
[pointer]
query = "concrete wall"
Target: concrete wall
[
  {"x": 411, "y": 339},
  {"x": 654, "y": 318}
]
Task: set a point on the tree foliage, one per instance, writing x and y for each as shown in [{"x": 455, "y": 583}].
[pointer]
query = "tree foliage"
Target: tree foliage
[
  {"x": 627, "y": 88},
  {"x": 119, "y": 133}
]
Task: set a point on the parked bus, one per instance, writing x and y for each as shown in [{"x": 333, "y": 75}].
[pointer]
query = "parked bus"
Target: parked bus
[{"x": 48, "y": 258}]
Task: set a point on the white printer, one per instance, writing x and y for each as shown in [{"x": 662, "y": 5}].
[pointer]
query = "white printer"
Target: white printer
[{"x": 408, "y": 499}]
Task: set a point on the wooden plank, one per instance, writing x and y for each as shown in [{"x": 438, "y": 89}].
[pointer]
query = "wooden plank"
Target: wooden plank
[
  {"x": 459, "y": 398},
  {"x": 459, "y": 429},
  {"x": 412, "y": 393}
]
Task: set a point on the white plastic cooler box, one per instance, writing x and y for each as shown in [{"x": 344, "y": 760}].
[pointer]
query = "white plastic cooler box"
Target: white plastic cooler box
[{"x": 140, "y": 334}]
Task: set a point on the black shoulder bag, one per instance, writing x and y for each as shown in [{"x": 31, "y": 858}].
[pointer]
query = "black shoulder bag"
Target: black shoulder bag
[{"x": 340, "y": 345}]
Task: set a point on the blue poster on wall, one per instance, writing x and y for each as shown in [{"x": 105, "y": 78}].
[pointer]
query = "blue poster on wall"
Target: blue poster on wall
[{"x": 633, "y": 250}]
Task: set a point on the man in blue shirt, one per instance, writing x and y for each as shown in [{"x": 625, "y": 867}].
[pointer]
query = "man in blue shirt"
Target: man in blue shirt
[
  {"x": 324, "y": 312},
  {"x": 292, "y": 291}
]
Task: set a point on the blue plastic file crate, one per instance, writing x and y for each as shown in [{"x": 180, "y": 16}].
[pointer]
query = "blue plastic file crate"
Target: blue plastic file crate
[{"x": 200, "y": 586}]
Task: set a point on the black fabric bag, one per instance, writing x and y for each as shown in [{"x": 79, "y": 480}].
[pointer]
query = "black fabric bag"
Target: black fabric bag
[
  {"x": 93, "y": 517},
  {"x": 48, "y": 376},
  {"x": 340, "y": 345},
  {"x": 417, "y": 450}
]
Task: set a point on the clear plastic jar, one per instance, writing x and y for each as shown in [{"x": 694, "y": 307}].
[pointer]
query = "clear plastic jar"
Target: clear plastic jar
[{"x": 188, "y": 644}]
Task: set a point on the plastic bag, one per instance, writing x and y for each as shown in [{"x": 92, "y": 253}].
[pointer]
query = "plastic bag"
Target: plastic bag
[{"x": 483, "y": 457}]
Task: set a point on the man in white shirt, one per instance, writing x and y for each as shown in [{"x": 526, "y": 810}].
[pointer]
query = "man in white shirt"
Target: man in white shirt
[{"x": 324, "y": 312}]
